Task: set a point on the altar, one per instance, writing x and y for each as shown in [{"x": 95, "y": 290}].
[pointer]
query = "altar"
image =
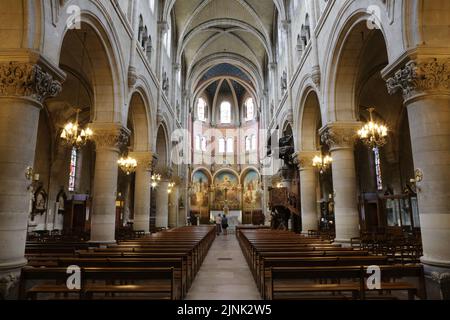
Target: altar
[{"x": 234, "y": 217}]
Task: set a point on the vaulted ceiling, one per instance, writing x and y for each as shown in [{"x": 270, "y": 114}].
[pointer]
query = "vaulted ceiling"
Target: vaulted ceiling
[{"x": 226, "y": 30}]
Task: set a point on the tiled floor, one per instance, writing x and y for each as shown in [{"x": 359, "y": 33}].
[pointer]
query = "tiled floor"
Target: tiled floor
[{"x": 222, "y": 279}]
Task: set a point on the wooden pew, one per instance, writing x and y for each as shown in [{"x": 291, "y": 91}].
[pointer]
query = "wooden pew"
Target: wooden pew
[
  {"x": 161, "y": 282},
  {"x": 284, "y": 282},
  {"x": 180, "y": 272},
  {"x": 338, "y": 261},
  {"x": 183, "y": 249}
]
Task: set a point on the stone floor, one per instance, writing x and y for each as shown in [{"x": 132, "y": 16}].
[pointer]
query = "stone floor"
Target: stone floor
[{"x": 221, "y": 278}]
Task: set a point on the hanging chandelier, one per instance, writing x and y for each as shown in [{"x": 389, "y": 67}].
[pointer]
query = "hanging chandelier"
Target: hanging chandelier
[
  {"x": 156, "y": 178},
  {"x": 75, "y": 136},
  {"x": 373, "y": 134},
  {"x": 170, "y": 187},
  {"x": 127, "y": 165},
  {"x": 322, "y": 163}
]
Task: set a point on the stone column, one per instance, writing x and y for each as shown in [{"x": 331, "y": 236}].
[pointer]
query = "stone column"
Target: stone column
[
  {"x": 425, "y": 84},
  {"x": 340, "y": 138},
  {"x": 308, "y": 185},
  {"x": 142, "y": 191},
  {"x": 162, "y": 204},
  {"x": 109, "y": 139},
  {"x": 23, "y": 88}
]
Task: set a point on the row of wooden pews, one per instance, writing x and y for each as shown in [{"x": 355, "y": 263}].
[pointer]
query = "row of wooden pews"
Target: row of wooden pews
[
  {"x": 158, "y": 266},
  {"x": 288, "y": 266}
]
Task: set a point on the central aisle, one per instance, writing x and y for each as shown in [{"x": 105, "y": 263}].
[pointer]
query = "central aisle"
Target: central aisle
[{"x": 224, "y": 274}]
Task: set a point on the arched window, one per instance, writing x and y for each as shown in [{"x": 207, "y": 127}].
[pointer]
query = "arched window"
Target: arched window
[
  {"x": 144, "y": 38},
  {"x": 248, "y": 143},
  {"x": 149, "y": 48},
  {"x": 230, "y": 145},
  {"x": 141, "y": 28},
  {"x": 73, "y": 169},
  {"x": 307, "y": 27},
  {"x": 251, "y": 143},
  {"x": 376, "y": 153},
  {"x": 225, "y": 112},
  {"x": 201, "y": 109},
  {"x": 249, "y": 109},
  {"x": 254, "y": 142},
  {"x": 221, "y": 145}
]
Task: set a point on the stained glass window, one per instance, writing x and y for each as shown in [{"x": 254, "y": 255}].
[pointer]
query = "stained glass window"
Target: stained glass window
[
  {"x": 225, "y": 112},
  {"x": 250, "y": 109},
  {"x": 221, "y": 145},
  {"x": 201, "y": 108},
  {"x": 73, "y": 169},
  {"x": 376, "y": 152}
]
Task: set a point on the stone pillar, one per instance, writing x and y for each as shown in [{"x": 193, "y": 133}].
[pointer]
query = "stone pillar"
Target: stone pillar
[
  {"x": 142, "y": 191},
  {"x": 109, "y": 139},
  {"x": 173, "y": 208},
  {"x": 340, "y": 138},
  {"x": 425, "y": 84},
  {"x": 308, "y": 187},
  {"x": 162, "y": 204},
  {"x": 23, "y": 88}
]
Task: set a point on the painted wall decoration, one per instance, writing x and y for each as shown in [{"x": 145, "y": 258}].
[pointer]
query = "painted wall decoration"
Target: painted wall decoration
[
  {"x": 251, "y": 191},
  {"x": 199, "y": 194},
  {"x": 227, "y": 191}
]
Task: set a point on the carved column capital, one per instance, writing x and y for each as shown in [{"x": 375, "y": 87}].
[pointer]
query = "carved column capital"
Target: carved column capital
[
  {"x": 340, "y": 134},
  {"x": 303, "y": 159},
  {"x": 24, "y": 79},
  {"x": 110, "y": 136},
  {"x": 144, "y": 159},
  {"x": 420, "y": 77},
  {"x": 165, "y": 172}
]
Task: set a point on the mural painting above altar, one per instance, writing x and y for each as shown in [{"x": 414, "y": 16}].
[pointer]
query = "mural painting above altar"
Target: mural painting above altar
[{"x": 227, "y": 192}]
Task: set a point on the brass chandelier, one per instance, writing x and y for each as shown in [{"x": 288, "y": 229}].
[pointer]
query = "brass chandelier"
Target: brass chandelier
[
  {"x": 322, "y": 162},
  {"x": 156, "y": 178},
  {"x": 127, "y": 165},
  {"x": 373, "y": 134},
  {"x": 75, "y": 136}
]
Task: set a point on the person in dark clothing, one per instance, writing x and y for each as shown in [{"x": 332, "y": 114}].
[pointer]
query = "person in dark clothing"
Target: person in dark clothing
[{"x": 225, "y": 225}]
